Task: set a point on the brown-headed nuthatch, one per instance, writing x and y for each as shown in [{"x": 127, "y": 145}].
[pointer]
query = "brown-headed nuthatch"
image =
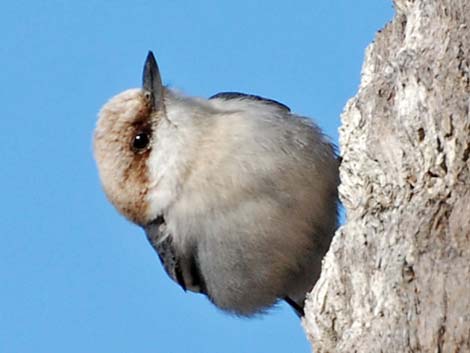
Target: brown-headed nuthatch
[{"x": 237, "y": 194}]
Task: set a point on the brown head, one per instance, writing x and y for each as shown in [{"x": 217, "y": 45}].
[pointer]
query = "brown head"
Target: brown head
[{"x": 123, "y": 141}]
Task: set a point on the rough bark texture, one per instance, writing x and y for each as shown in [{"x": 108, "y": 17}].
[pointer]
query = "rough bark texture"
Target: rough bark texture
[{"x": 397, "y": 276}]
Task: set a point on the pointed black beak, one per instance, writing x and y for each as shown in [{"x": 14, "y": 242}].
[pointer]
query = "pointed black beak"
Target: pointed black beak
[{"x": 152, "y": 82}]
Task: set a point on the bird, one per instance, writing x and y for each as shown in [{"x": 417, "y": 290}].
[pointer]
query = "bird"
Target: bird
[{"x": 236, "y": 193}]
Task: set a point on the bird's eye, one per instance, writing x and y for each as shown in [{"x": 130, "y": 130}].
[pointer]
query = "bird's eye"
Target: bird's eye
[{"x": 141, "y": 142}]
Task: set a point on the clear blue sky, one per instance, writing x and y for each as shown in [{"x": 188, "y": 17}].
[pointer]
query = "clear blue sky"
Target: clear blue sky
[{"x": 74, "y": 275}]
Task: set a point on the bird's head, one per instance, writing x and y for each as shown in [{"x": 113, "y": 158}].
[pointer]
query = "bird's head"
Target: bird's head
[{"x": 123, "y": 142}]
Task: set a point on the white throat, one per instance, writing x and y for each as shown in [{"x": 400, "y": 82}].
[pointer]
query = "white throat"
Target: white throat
[{"x": 170, "y": 157}]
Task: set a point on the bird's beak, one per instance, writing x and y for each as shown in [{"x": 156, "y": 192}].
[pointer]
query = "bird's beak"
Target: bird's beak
[{"x": 152, "y": 82}]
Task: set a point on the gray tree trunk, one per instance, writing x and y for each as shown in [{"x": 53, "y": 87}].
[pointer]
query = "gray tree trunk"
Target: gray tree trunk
[{"x": 397, "y": 276}]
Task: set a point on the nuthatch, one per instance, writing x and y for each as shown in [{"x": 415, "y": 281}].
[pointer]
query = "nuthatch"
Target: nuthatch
[{"x": 237, "y": 194}]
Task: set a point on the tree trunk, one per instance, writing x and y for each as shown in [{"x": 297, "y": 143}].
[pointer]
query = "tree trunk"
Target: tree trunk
[{"x": 397, "y": 276}]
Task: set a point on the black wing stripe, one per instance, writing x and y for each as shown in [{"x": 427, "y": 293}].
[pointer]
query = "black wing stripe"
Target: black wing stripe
[
  {"x": 196, "y": 274},
  {"x": 179, "y": 276},
  {"x": 238, "y": 95}
]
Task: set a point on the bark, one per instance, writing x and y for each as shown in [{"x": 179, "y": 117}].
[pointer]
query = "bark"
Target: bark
[{"x": 397, "y": 275}]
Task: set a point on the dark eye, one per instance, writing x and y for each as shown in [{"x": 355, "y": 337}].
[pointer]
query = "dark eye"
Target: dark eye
[{"x": 141, "y": 142}]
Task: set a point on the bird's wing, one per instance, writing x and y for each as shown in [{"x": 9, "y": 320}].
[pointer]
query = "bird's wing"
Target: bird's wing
[{"x": 181, "y": 267}]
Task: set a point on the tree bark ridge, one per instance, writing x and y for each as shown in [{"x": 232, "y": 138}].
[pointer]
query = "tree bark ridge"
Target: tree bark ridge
[{"x": 397, "y": 275}]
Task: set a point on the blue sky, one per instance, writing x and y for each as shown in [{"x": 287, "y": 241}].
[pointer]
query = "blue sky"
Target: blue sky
[{"x": 74, "y": 275}]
